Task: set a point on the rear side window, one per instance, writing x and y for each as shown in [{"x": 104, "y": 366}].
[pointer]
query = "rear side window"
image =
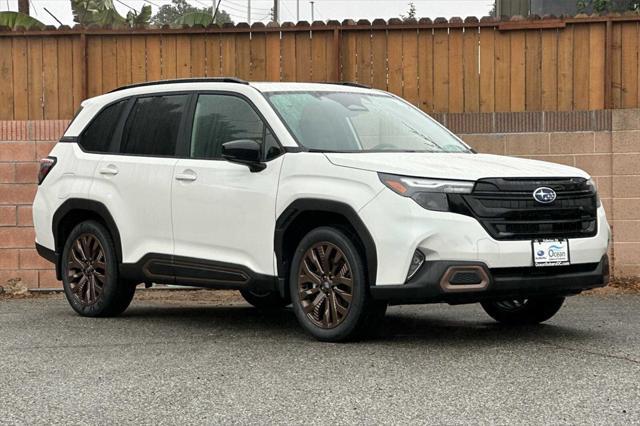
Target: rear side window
[
  {"x": 153, "y": 124},
  {"x": 99, "y": 133}
]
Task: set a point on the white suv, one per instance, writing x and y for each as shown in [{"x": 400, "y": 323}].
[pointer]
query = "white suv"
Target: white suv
[{"x": 334, "y": 198}]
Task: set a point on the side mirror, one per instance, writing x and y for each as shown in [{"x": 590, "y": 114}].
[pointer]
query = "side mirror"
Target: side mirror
[{"x": 244, "y": 151}]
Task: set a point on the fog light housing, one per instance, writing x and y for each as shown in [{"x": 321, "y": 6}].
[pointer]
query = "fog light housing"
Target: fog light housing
[{"x": 416, "y": 262}]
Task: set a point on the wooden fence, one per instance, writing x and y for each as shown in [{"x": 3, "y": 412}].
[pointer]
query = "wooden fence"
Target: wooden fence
[{"x": 586, "y": 63}]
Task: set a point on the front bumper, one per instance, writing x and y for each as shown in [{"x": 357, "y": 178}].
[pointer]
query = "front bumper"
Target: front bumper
[{"x": 432, "y": 283}]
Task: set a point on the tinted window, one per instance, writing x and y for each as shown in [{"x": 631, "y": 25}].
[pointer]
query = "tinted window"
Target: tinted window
[
  {"x": 219, "y": 119},
  {"x": 153, "y": 124},
  {"x": 97, "y": 136}
]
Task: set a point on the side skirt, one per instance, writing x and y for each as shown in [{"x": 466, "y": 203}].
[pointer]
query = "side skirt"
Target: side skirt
[{"x": 187, "y": 271}]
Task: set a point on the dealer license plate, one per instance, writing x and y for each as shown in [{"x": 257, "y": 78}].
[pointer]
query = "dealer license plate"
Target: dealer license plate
[{"x": 550, "y": 252}]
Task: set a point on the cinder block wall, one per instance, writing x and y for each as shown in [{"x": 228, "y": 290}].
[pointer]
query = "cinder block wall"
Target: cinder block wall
[{"x": 605, "y": 143}]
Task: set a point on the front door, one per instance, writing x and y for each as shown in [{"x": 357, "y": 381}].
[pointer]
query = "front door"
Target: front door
[{"x": 222, "y": 212}]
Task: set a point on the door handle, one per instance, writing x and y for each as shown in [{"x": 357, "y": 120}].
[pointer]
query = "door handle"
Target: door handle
[
  {"x": 187, "y": 176},
  {"x": 109, "y": 170}
]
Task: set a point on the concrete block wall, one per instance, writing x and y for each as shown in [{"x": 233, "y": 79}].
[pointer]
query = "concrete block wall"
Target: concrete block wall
[{"x": 605, "y": 143}]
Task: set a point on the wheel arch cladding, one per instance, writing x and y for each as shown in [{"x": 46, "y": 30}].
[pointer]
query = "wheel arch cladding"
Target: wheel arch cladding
[
  {"x": 305, "y": 214},
  {"x": 74, "y": 211}
]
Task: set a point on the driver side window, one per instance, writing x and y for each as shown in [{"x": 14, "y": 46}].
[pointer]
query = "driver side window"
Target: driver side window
[{"x": 222, "y": 118}]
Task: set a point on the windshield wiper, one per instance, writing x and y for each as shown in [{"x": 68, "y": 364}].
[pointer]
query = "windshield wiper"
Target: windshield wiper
[{"x": 420, "y": 135}]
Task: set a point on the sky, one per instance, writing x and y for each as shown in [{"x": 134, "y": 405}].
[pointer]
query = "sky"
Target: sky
[{"x": 324, "y": 9}]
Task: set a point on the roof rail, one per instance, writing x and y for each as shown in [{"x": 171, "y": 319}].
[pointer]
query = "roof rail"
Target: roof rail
[
  {"x": 184, "y": 80},
  {"x": 352, "y": 84}
]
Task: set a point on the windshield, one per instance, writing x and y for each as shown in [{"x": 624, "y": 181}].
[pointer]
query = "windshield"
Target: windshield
[{"x": 355, "y": 122}]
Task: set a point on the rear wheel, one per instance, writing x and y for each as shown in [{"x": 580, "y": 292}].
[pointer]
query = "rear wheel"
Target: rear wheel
[
  {"x": 90, "y": 273},
  {"x": 264, "y": 299},
  {"x": 328, "y": 288},
  {"x": 523, "y": 311}
]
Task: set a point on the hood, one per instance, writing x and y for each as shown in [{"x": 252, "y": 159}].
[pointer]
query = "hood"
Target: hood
[{"x": 452, "y": 166}]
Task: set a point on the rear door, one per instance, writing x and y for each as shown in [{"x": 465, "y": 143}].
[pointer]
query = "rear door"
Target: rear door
[
  {"x": 222, "y": 212},
  {"x": 134, "y": 181}
]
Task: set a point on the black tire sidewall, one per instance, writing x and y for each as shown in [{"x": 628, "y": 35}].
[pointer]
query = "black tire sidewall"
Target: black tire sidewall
[
  {"x": 350, "y": 325},
  {"x": 269, "y": 300},
  {"x": 534, "y": 311},
  {"x": 110, "y": 291}
]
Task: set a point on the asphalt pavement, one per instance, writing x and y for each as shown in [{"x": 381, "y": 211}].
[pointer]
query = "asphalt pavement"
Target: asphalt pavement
[{"x": 184, "y": 362}]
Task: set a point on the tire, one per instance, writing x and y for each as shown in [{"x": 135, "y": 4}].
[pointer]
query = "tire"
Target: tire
[
  {"x": 264, "y": 300},
  {"x": 525, "y": 311},
  {"x": 329, "y": 294},
  {"x": 93, "y": 287}
]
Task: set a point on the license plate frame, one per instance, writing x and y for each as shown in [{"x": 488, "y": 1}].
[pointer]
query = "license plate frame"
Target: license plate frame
[{"x": 550, "y": 252}]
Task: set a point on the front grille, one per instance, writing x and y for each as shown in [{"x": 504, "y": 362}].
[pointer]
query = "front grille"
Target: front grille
[{"x": 507, "y": 210}]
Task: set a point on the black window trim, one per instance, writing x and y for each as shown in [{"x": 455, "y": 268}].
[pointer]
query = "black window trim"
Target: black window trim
[{"x": 191, "y": 115}]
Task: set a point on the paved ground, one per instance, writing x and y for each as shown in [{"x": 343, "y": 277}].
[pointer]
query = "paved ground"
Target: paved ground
[{"x": 186, "y": 362}]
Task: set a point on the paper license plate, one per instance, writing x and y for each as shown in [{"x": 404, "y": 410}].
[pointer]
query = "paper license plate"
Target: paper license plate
[{"x": 550, "y": 252}]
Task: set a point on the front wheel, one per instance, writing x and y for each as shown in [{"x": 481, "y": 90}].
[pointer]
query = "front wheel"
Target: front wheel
[
  {"x": 523, "y": 311},
  {"x": 328, "y": 288},
  {"x": 90, "y": 273}
]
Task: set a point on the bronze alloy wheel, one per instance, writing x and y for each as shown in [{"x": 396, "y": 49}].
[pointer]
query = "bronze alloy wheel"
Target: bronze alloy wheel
[
  {"x": 86, "y": 269},
  {"x": 325, "y": 285}
]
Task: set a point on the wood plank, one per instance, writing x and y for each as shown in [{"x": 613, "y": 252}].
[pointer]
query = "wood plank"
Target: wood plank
[
  {"x": 303, "y": 56},
  {"x": 597, "y": 66},
  {"x": 410, "y": 66},
  {"x": 19, "y": 60},
  {"x": 518, "y": 71},
  {"x": 212, "y": 48},
  {"x": 258, "y": 57},
  {"x": 348, "y": 51},
  {"x": 109, "y": 66},
  {"x": 183, "y": 56},
  {"x": 629, "y": 65},
  {"x": 168, "y": 57},
  {"x": 440, "y": 70},
  {"x": 35, "y": 79},
  {"x": 425, "y": 70},
  {"x": 394, "y": 57},
  {"x": 581, "y": 67},
  {"x": 123, "y": 58},
  {"x": 198, "y": 56},
  {"x": 334, "y": 70},
  {"x": 616, "y": 66},
  {"x": 565, "y": 69},
  {"x": 288, "y": 56},
  {"x": 6, "y": 76},
  {"x": 94, "y": 66},
  {"x": 379, "y": 59},
  {"x": 243, "y": 56},
  {"x": 471, "y": 46},
  {"x": 138, "y": 59},
  {"x": 503, "y": 71},
  {"x": 533, "y": 70},
  {"x": 79, "y": 71},
  {"x": 50, "y": 77},
  {"x": 319, "y": 63},
  {"x": 228, "y": 54},
  {"x": 65, "y": 77},
  {"x": 364, "y": 71},
  {"x": 272, "y": 58},
  {"x": 549, "y": 70},
  {"x": 154, "y": 57},
  {"x": 456, "y": 70},
  {"x": 487, "y": 69}
]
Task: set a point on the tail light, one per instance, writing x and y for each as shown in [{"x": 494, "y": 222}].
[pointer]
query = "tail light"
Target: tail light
[{"x": 46, "y": 164}]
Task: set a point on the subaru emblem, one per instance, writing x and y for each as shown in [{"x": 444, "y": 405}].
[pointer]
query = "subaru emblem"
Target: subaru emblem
[{"x": 544, "y": 195}]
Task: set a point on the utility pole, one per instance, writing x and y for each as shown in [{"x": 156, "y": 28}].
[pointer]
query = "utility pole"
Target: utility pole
[
  {"x": 249, "y": 12},
  {"x": 297, "y": 10},
  {"x": 312, "y": 11},
  {"x": 276, "y": 11},
  {"x": 23, "y": 6}
]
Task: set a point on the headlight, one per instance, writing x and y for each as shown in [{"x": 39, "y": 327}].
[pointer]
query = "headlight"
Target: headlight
[{"x": 428, "y": 193}]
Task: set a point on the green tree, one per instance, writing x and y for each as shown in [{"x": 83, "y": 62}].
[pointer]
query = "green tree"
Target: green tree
[
  {"x": 179, "y": 12},
  {"x": 411, "y": 13},
  {"x": 603, "y": 6},
  {"x": 103, "y": 12},
  {"x": 17, "y": 19}
]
